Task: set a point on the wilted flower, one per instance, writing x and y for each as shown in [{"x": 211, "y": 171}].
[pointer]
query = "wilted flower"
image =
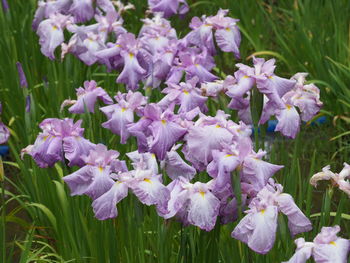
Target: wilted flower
[{"x": 339, "y": 180}]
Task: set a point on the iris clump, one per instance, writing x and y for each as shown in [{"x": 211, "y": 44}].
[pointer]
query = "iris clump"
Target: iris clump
[{"x": 190, "y": 159}]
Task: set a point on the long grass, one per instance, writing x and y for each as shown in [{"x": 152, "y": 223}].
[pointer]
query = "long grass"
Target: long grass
[{"x": 311, "y": 36}]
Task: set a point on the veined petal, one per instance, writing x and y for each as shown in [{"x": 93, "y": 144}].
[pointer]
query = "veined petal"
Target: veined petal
[
  {"x": 288, "y": 122},
  {"x": 203, "y": 210},
  {"x": 105, "y": 206},
  {"x": 260, "y": 232},
  {"x": 150, "y": 191},
  {"x": 229, "y": 39}
]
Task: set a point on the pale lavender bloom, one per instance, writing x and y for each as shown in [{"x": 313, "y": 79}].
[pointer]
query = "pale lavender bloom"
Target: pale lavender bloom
[
  {"x": 327, "y": 247},
  {"x": 196, "y": 64},
  {"x": 175, "y": 166},
  {"x": 87, "y": 97},
  {"x": 227, "y": 34},
  {"x": 50, "y": 32},
  {"x": 144, "y": 183},
  {"x": 212, "y": 89},
  {"x": 157, "y": 26},
  {"x": 339, "y": 180},
  {"x": 256, "y": 171},
  {"x": 185, "y": 94},
  {"x": 168, "y": 7},
  {"x": 48, "y": 8},
  {"x": 305, "y": 97},
  {"x": 207, "y": 134},
  {"x": 132, "y": 72},
  {"x": 95, "y": 178},
  {"x": 194, "y": 203},
  {"x": 161, "y": 129},
  {"x": 120, "y": 115},
  {"x": 258, "y": 227},
  {"x": 111, "y": 22},
  {"x": 22, "y": 76},
  {"x": 82, "y": 10},
  {"x": 58, "y": 138},
  {"x": 144, "y": 161},
  {"x": 262, "y": 75}
]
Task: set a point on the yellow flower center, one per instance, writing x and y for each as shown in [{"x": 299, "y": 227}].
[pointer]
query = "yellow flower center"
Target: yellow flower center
[
  {"x": 202, "y": 193},
  {"x": 147, "y": 180}
]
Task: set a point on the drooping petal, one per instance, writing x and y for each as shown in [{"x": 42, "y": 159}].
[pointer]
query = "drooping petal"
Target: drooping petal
[
  {"x": 105, "y": 206},
  {"x": 229, "y": 39},
  {"x": 76, "y": 147},
  {"x": 297, "y": 221},
  {"x": 79, "y": 181},
  {"x": 288, "y": 122}
]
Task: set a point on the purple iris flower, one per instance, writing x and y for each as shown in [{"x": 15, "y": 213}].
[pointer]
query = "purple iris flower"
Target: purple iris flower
[
  {"x": 87, "y": 98},
  {"x": 175, "y": 166},
  {"x": 193, "y": 203},
  {"x": 227, "y": 34},
  {"x": 304, "y": 97},
  {"x": 185, "y": 94},
  {"x": 262, "y": 75},
  {"x": 327, "y": 247},
  {"x": 48, "y": 8},
  {"x": 121, "y": 115},
  {"x": 196, "y": 63},
  {"x": 169, "y": 7},
  {"x": 82, "y": 10},
  {"x": 59, "y": 138},
  {"x": 258, "y": 228},
  {"x": 206, "y": 135},
  {"x": 157, "y": 131},
  {"x": 50, "y": 32},
  {"x": 22, "y": 76},
  {"x": 145, "y": 183},
  {"x": 129, "y": 50},
  {"x": 96, "y": 177}
]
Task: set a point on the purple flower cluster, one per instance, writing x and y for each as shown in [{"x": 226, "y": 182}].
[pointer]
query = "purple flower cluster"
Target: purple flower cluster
[
  {"x": 165, "y": 131},
  {"x": 175, "y": 133}
]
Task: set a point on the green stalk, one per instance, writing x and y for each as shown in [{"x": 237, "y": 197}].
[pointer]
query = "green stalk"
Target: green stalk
[{"x": 256, "y": 106}]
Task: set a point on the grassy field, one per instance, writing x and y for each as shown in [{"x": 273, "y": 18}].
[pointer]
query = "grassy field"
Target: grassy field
[{"x": 44, "y": 224}]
